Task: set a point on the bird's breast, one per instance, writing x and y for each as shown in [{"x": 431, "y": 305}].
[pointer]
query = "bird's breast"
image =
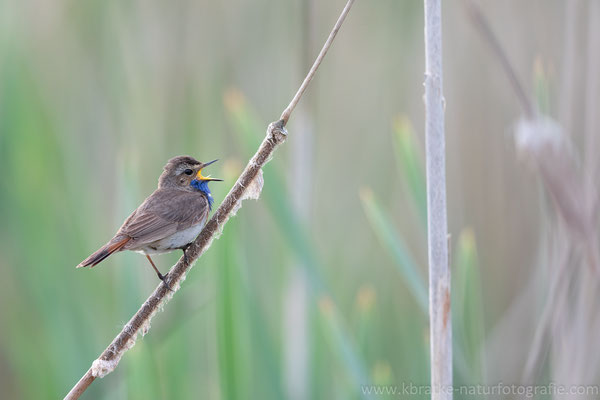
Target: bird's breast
[{"x": 177, "y": 240}]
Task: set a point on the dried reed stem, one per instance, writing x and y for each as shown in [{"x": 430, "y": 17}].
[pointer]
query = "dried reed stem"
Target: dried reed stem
[
  {"x": 437, "y": 226},
  {"x": 592, "y": 121},
  {"x": 285, "y": 115},
  {"x": 569, "y": 62},
  {"x": 486, "y": 31},
  {"x": 574, "y": 197},
  {"x": 140, "y": 322}
]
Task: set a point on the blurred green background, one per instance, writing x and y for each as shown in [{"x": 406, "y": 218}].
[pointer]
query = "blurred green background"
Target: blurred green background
[{"x": 317, "y": 288}]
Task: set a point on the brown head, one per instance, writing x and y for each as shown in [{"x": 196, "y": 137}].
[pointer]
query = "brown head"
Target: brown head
[{"x": 180, "y": 171}]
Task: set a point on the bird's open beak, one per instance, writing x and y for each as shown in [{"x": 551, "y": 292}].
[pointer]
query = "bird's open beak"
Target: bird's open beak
[{"x": 207, "y": 178}]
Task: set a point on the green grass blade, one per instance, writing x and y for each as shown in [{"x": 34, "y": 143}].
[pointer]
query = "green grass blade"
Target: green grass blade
[
  {"x": 346, "y": 348},
  {"x": 541, "y": 87},
  {"x": 410, "y": 162},
  {"x": 250, "y": 131},
  {"x": 396, "y": 247},
  {"x": 228, "y": 316},
  {"x": 468, "y": 314}
]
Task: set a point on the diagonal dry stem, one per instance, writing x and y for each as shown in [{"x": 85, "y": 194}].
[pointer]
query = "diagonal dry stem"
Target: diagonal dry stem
[
  {"x": 140, "y": 322},
  {"x": 486, "y": 31},
  {"x": 285, "y": 115}
]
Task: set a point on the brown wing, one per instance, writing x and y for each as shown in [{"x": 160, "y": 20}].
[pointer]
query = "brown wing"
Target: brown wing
[{"x": 162, "y": 214}]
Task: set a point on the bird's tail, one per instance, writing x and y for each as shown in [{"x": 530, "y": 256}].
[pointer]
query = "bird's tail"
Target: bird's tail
[{"x": 104, "y": 252}]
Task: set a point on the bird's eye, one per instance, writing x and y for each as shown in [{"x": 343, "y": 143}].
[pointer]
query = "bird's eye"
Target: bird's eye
[{"x": 188, "y": 171}]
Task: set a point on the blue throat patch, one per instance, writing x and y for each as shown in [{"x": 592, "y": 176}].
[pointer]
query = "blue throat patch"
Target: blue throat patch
[{"x": 202, "y": 186}]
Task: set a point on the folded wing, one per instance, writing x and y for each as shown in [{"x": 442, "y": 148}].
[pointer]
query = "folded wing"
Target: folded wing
[{"x": 164, "y": 213}]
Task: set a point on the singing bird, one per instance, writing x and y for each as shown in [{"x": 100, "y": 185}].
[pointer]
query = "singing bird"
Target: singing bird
[{"x": 169, "y": 219}]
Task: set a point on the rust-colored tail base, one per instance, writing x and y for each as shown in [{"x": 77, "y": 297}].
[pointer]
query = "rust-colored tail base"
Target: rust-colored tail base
[{"x": 104, "y": 252}]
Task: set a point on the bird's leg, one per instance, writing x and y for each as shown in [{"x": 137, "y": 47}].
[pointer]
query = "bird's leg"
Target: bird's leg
[{"x": 160, "y": 276}]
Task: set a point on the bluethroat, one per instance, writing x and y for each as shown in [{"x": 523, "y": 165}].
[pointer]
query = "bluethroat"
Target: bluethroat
[{"x": 169, "y": 219}]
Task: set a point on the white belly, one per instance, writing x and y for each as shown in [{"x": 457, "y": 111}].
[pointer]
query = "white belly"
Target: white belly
[{"x": 175, "y": 241}]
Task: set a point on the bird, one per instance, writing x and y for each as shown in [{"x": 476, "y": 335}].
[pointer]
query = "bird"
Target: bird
[{"x": 169, "y": 219}]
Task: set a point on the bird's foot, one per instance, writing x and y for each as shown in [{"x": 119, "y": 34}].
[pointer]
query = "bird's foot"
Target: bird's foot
[
  {"x": 185, "y": 256},
  {"x": 164, "y": 279}
]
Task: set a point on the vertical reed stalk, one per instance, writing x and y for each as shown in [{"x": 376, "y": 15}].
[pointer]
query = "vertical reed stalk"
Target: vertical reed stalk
[{"x": 437, "y": 226}]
